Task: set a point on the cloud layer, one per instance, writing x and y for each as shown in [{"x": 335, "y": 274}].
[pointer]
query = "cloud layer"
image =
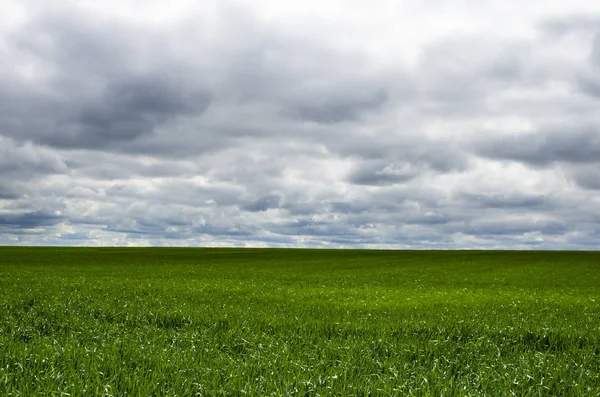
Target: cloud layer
[{"x": 332, "y": 124}]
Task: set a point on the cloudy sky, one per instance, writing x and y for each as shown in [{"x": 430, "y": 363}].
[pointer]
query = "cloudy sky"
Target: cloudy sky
[{"x": 313, "y": 123}]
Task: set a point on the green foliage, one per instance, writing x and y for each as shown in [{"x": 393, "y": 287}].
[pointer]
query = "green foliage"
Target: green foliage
[{"x": 238, "y": 322}]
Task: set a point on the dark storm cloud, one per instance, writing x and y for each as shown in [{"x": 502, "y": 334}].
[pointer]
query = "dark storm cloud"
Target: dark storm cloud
[
  {"x": 116, "y": 86},
  {"x": 507, "y": 201},
  {"x": 8, "y": 192},
  {"x": 107, "y": 88},
  {"x": 130, "y": 108},
  {"x": 29, "y": 220},
  {"x": 568, "y": 143},
  {"x": 263, "y": 203}
]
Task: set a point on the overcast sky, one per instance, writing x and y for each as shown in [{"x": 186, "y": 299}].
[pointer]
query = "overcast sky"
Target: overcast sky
[{"x": 313, "y": 123}]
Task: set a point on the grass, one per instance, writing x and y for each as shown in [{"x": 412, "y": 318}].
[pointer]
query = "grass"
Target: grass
[{"x": 237, "y": 322}]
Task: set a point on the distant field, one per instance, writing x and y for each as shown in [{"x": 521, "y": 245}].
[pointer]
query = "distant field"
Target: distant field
[{"x": 211, "y": 322}]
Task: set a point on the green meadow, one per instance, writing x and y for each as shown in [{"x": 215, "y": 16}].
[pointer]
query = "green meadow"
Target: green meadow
[{"x": 277, "y": 322}]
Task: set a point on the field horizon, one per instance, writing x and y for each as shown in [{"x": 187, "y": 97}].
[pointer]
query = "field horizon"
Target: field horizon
[
  {"x": 315, "y": 248},
  {"x": 203, "y": 321}
]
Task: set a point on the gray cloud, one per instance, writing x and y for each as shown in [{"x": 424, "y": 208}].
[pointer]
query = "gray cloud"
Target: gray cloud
[
  {"x": 243, "y": 126},
  {"x": 106, "y": 89},
  {"x": 264, "y": 203},
  {"x": 589, "y": 85},
  {"x": 341, "y": 107},
  {"x": 453, "y": 82},
  {"x": 24, "y": 165},
  {"x": 515, "y": 227},
  {"x": 587, "y": 176},
  {"x": 508, "y": 201},
  {"x": 28, "y": 220},
  {"x": 569, "y": 143},
  {"x": 8, "y": 193},
  {"x": 595, "y": 55},
  {"x": 24, "y": 161},
  {"x": 131, "y": 108},
  {"x": 588, "y": 81},
  {"x": 377, "y": 174},
  {"x": 574, "y": 23}
]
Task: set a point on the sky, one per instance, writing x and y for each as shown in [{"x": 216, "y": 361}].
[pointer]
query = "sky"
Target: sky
[{"x": 463, "y": 124}]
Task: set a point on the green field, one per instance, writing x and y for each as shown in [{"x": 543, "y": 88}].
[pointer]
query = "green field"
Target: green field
[{"x": 259, "y": 322}]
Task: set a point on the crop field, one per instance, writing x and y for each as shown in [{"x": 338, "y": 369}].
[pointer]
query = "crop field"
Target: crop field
[{"x": 261, "y": 322}]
